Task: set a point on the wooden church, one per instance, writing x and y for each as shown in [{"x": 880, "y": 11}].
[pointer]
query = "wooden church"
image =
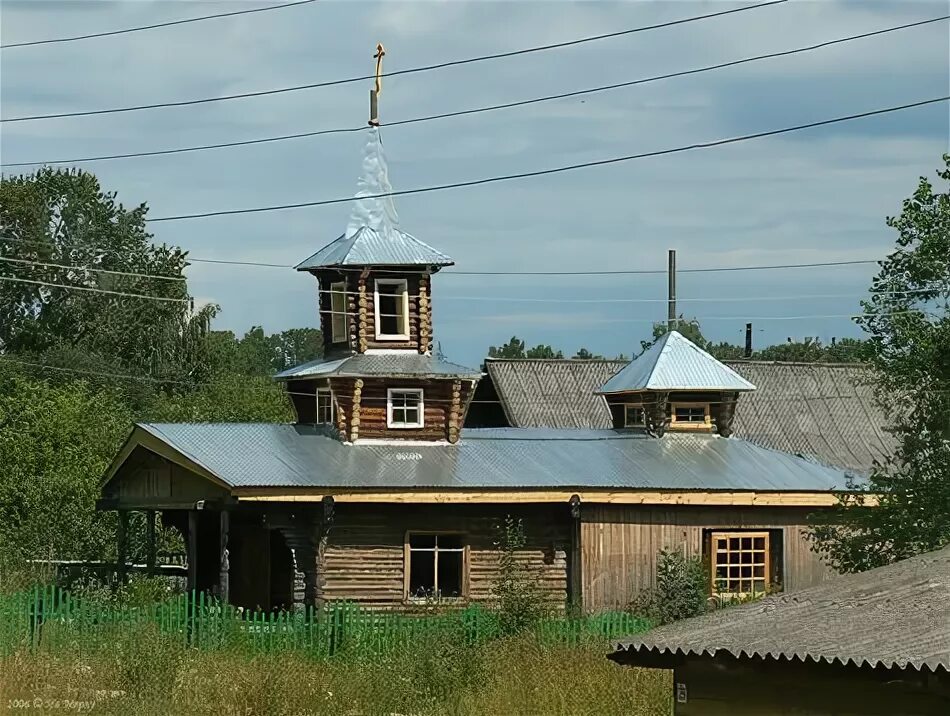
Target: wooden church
[{"x": 378, "y": 493}]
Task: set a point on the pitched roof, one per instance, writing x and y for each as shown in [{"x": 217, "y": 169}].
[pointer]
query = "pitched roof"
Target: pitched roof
[
  {"x": 367, "y": 246},
  {"x": 893, "y": 616},
  {"x": 826, "y": 411},
  {"x": 264, "y": 454},
  {"x": 675, "y": 363},
  {"x": 393, "y": 365}
]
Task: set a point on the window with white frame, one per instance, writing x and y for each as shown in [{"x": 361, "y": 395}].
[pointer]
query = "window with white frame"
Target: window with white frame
[
  {"x": 324, "y": 406},
  {"x": 633, "y": 415},
  {"x": 435, "y": 566},
  {"x": 338, "y": 312},
  {"x": 392, "y": 309},
  {"x": 404, "y": 408}
]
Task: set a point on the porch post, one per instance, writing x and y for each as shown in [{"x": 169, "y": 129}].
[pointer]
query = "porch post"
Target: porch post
[
  {"x": 575, "y": 597},
  {"x": 192, "y": 550},
  {"x": 150, "y": 542},
  {"x": 223, "y": 564},
  {"x": 122, "y": 533}
]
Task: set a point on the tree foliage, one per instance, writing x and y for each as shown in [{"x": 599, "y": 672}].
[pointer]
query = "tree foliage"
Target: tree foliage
[
  {"x": 515, "y": 348},
  {"x": 908, "y": 322}
]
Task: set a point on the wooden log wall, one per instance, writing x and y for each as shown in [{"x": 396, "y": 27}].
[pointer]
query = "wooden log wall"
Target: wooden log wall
[
  {"x": 364, "y": 556},
  {"x": 721, "y": 409},
  {"x": 619, "y": 544}
]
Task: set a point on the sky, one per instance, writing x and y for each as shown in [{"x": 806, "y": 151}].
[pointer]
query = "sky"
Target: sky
[{"x": 814, "y": 196}]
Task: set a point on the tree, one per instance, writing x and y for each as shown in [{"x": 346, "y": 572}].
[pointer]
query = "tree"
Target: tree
[
  {"x": 543, "y": 351},
  {"x": 514, "y": 348},
  {"x": 908, "y": 320},
  {"x": 688, "y": 328}
]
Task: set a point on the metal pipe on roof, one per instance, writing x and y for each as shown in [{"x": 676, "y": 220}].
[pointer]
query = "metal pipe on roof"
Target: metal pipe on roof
[{"x": 671, "y": 271}]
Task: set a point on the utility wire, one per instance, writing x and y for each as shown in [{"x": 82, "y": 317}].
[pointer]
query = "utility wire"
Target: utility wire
[
  {"x": 91, "y": 268},
  {"x": 412, "y": 70},
  {"x": 557, "y": 170},
  {"x": 94, "y": 290},
  {"x": 185, "y": 21},
  {"x": 477, "y": 110}
]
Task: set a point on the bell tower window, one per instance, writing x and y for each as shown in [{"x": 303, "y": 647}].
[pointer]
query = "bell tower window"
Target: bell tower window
[
  {"x": 392, "y": 309},
  {"x": 338, "y": 312}
]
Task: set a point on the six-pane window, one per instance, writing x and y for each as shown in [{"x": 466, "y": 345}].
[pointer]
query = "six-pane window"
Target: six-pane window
[
  {"x": 404, "y": 408},
  {"x": 338, "y": 312},
  {"x": 633, "y": 416},
  {"x": 740, "y": 562},
  {"x": 435, "y": 568},
  {"x": 324, "y": 406},
  {"x": 392, "y": 309},
  {"x": 690, "y": 413}
]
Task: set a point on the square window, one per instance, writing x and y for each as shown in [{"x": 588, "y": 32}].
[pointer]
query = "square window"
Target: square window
[
  {"x": 633, "y": 416},
  {"x": 404, "y": 408},
  {"x": 392, "y": 309},
  {"x": 739, "y": 563},
  {"x": 338, "y": 312},
  {"x": 324, "y": 406},
  {"x": 435, "y": 566}
]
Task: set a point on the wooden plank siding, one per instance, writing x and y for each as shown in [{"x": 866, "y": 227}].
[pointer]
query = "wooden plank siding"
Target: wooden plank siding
[
  {"x": 364, "y": 558},
  {"x": 619, "y": 544}
]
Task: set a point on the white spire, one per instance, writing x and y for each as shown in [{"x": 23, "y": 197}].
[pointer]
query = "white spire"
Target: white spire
[{"x": 377, "y": 213}]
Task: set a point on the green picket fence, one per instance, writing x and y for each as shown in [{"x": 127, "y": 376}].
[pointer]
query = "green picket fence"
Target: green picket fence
[{"x": 52, "y": 617}]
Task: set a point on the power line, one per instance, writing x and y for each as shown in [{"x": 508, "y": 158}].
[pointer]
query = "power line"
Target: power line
[
  {"x": 90, "y": 268},
  {"x": 558, "y": 170},
  {"x": 413, "y": 70},
  {"x": 154, "y": 26},
  {"x": 95, "y": 290},
  {"x": 477, "y": 110}
]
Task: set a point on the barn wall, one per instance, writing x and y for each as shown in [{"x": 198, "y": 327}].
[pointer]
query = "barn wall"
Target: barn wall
[
  {"x": 619, "y": 544},
  {"x": 364, "y": 558}
]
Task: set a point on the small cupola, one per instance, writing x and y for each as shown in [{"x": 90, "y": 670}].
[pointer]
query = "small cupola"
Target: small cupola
[{"x": 675, "y": 385}]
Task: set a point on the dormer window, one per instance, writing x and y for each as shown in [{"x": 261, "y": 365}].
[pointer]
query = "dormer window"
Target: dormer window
[
  {"x": 633, "y": 415},
  {"x": 338, "y": 312},
  {"x": 690, "y": 416},
  {"x": 404, "y": 408},
  {"x": 392, "y": 309}
]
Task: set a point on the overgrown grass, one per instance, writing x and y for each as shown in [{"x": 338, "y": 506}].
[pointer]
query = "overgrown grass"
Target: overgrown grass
[{"x": 145, "y": 672}]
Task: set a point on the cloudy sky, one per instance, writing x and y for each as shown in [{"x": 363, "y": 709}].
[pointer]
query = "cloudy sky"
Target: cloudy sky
[{"x": 819, "y": 195}]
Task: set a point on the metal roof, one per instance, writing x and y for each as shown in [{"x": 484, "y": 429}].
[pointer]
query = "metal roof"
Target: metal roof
[
  {"x": 826, "y": 411},
  {"x": 258, "y": 454},
  {"x": 390, "y": 365},
  {"x": 675, "y": 363},
  {"x": 386, "y": 246},
  {"x": 893, "y": 616}
]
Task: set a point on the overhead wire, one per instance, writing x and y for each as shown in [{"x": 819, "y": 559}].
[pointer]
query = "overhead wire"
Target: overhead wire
[
  {"x": 93, "y": 289},
  {"x": 411, "y": 70},
  {"x": 477, "y": 110},
  {"x": 111, "y": 272},
  {"x": 557, "y": 170}
]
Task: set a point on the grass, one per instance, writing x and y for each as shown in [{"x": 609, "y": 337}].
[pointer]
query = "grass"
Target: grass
[{"x": 143, "y": 671}]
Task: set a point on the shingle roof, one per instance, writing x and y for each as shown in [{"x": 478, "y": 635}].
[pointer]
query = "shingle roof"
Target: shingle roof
[
  {"x": 388, "y": 246},
  {"x": 893, "y": 616},
  {"x": 675, "y": 363},
  {"x": 821, "y": 410},
  {"x": 259, "y": 454},
  {"x": 395, "y": 365}
]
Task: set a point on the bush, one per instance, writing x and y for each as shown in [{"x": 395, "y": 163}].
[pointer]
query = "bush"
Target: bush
[
  {"x": 520, "y": 601},
  {"x": 681, "y": 591}
]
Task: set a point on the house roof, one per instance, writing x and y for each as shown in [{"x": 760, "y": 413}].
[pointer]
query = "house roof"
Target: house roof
[
  {"x": 382, "y": 246},
  {"x": 675, "y": 363},
  {"x": 263, "y": 454},
  {"x": 826, "y": 411},
  {"x": 893, "y": 616},
  {"x": 390, "y": 365}
]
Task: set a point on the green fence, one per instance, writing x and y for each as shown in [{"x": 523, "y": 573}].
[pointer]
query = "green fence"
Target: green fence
[{"x": 50, "y": 617}]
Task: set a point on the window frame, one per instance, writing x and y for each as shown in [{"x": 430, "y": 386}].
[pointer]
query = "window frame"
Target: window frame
[
  {"x": 643, "y": 414},
  {"x": 767, "y": 564},
  {"x": 688, "y": 425},
  {"x": 389, "y": 409},
  {"x": 338, "y": 288},
  {"x": 328, "y": 391},
  {"x": 407, "y": 550},
  {"x": 380, "y": 336}
]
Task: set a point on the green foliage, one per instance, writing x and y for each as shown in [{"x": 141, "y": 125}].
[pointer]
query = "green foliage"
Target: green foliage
[
  {"x": 229, "y": 398},
  {"x": 519, "y": 599},
  {"x": 908, "y": 322},
  {"x": 681, "y": 591},
  {"x": 515, "y": 348}
]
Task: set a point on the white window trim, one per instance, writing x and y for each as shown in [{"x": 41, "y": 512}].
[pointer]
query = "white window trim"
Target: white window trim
[
  {"x": 634, "y": 425},
  {"x": 328, "y": 391},
  {"x": 337, "y": 287},
  {"x": 389, "y": 409},
  {"x": 380, "y": 336}
]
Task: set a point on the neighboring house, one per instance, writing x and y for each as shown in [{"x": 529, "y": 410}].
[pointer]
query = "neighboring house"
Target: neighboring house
[
  {"x": 825, "y": 411},
  {"x": 871, "y": 643},
  {"x": 378, "y": 495}
]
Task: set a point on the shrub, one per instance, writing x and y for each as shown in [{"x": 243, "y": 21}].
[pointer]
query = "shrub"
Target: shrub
[
  {"x": 519, "y": 600},
  {"x": 681, "y": 591}
]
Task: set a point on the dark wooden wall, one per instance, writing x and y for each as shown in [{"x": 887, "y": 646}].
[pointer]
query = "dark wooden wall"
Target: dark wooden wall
[
  {"x": 616, "y": 402},
  {"x": 364, "y": 557},
  {"x": 619, "y": 544}
]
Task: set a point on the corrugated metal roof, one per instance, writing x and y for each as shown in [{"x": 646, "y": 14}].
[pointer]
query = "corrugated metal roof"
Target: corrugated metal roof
[
  {"x": 395, "y": 365},
  {"x": 825, "y": 411},
  {"x": 388, "y": 246},
  {"x": 252, "y": 454},
  {"x": 675, "y": 363},
  {"x": 893, "y": 616}
]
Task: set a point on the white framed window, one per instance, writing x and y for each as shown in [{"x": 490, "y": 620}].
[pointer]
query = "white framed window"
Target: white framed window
[
  {"x": 404, "y": 408},
  {"x": 693, "y": 416},
  {"x": 633, "y": 415},
  {"x": 324, "y": 406},
  {"x": 338, "y": 312},
  {"x": 435, "y": 566},
  {"x": 391, "y": 299}
]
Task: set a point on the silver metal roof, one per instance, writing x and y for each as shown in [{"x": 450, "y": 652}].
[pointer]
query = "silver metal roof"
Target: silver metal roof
[
  {"x": 893, "y": 616},
  {"x": 257, "y": 454},
  {"x": 391, "y": 365},
  {"x": 675, "y": 363},
  {"x": 826, "y": 411},
  {"x": 387, "y": 246}
]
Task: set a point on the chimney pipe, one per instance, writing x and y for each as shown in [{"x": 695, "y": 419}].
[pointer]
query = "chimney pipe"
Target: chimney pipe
[
  {"x": 748, "y": 340},
  {"x": 671, "y": 271}
]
